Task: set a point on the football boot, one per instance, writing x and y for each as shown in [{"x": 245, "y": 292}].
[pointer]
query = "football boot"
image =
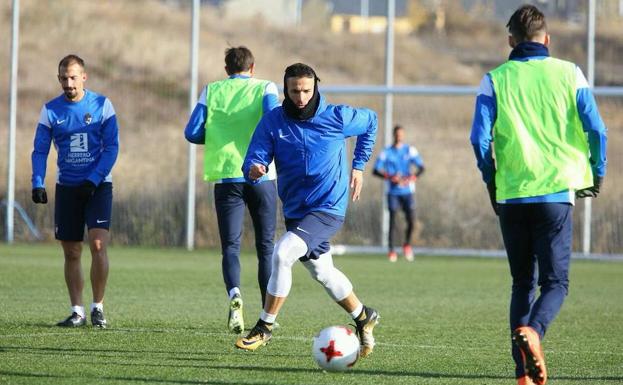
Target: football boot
[
  {"x": 529, "y": 344},
  {"x": 97, "y": 318},
  {"x": 364, "y": 325},
  {"x": 235, "y": 321},
  {"x": 408, "y": 252},
  {"x": 257, "y": 337},
  {"x": 392, "y": 256},
  {"x": 74, "y": 320}
]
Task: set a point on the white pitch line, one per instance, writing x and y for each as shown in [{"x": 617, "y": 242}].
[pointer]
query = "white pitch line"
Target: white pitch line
[{"x": 297, "y": 338}]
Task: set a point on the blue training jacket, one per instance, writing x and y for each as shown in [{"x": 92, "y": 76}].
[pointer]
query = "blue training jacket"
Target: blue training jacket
[
  {"x": 310, "y": 155},
  {"x": 399, "y": 161},
  {"x": 86, "y": 138}
]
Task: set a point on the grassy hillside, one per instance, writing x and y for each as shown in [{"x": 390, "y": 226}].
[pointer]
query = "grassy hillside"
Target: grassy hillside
[{"x": 137, "y": 53}]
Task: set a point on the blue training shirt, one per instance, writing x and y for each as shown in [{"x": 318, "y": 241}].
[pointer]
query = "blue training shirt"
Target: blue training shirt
[
  {"x": 398, "y": 161},
  {"x": 310, "y": 155},
  {"x": 195, "y": 128},
  {"x": 486, "y": 113},
  {"x": 86, "y": 137}
]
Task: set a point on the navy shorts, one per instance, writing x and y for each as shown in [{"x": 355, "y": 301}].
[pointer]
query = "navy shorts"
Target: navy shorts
[
  {"x": 316, "y": 229},
  {"x": 71, "y": 214},
  {"x": 394, "y": 202}
]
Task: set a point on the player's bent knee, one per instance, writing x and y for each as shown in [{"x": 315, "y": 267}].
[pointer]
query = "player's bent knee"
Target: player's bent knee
[
  {"x": 337, "y": 285},
  {"x": 288, "y": 250}
]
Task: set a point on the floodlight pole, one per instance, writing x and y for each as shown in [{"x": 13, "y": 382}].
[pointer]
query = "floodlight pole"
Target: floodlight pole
[
  {"x": 192, "y": 153},
  {"x": 389, "y": 104},
  {"x": 10, "y": 203},
  {"x": 588, "y": 202}
]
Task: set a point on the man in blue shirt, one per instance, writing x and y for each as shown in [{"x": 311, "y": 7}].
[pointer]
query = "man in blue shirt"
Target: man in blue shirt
[
  {"x": 395, "y": 164},
  {"x": 223, "y": 121},
  {"x": 306, "y": 139},
  {"x": 538, "y": 116},
  {"x": 83, "y": 126}
]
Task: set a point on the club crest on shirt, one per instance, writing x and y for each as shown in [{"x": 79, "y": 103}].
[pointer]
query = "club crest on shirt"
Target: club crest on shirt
[{"x": 88, "y": 118}]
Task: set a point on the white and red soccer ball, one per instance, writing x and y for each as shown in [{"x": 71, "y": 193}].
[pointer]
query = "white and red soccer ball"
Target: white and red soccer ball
[{"x": 336, "y": 348}]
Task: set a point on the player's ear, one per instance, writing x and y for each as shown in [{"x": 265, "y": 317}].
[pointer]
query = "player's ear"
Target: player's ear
[
  {"x": 547, "y": 40},
  {"x": 511, "y": 41}
]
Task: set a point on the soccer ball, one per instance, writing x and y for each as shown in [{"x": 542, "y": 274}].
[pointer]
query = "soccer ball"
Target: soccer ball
[{"x": 336, "y": 348}]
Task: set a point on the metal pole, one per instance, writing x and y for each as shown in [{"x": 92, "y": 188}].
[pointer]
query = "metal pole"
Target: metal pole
[
  {"x": 192, "y": 153},
  {"x": 389, "y": 101},
  {"x": 588, "y": 202},
  {"x": 365, "y": 12},
  {"x": 299, "y": 12},
  {"x": 12, "y": 122}
]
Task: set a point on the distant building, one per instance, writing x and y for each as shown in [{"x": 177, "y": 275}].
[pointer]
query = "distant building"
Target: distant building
[
  {"x": 367, "y": 16},
  {"x": 280, "y": 13}
]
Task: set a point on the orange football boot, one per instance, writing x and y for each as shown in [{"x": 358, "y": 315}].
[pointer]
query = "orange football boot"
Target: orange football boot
[
  {"x": 408, "y": 252},
  {"x": 392, "y": 256},
  {"x": 529, "y": 343}
]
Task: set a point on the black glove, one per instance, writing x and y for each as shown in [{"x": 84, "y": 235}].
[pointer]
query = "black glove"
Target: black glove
[
  {"x": 491, "y": 190},
  {"x": 591, "y": 191},
  {"x": 39, "y": 195},
  {"x": 85, "y": 190}
]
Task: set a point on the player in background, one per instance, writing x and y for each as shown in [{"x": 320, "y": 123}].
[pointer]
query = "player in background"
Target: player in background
[
  {"x": 306, "y": 139},
  {"x": 400, "y": 164},
  {"x": 223, "y": 121},
  {"x": 539, "y": 117},
  {"x": 83, "y": 126}
]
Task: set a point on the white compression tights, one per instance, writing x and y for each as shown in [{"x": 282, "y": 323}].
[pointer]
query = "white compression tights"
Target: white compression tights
[
  {"x": 287, "y": 251},
  {"x": 334, "y": 281}
]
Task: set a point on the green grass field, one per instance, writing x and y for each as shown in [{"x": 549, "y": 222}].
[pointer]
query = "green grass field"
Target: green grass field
[{"x": 444, "y": 321}]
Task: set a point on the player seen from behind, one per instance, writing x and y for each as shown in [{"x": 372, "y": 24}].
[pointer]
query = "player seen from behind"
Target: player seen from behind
[{"x": 538, "y": 117}]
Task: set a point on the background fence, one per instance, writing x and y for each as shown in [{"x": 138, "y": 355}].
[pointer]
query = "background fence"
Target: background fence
[{"x": 137, "y": 54}]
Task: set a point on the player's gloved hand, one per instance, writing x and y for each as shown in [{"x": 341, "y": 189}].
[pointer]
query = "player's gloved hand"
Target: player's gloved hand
[
  {"x": 494, "y": 203},
  {"x": 592, "y": 191},
  {"x": 85, "y": 190},
  {"x": 39, "y": 195}
]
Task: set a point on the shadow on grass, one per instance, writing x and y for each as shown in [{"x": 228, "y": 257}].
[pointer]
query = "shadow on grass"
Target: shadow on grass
[
  {"x": 312, "y": 371},
  {"x": 286, "y": 370},
  {"x": 104, "y": 352},
  {"x": 107, "y": 352},
  {"x": 149, "y": 380},
  {"x": 403, "y": 373}
]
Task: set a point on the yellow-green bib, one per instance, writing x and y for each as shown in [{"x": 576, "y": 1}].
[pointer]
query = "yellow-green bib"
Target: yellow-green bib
[
  {"x": 540, "y": 147},
  {"x": 234, "y": 109}
]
